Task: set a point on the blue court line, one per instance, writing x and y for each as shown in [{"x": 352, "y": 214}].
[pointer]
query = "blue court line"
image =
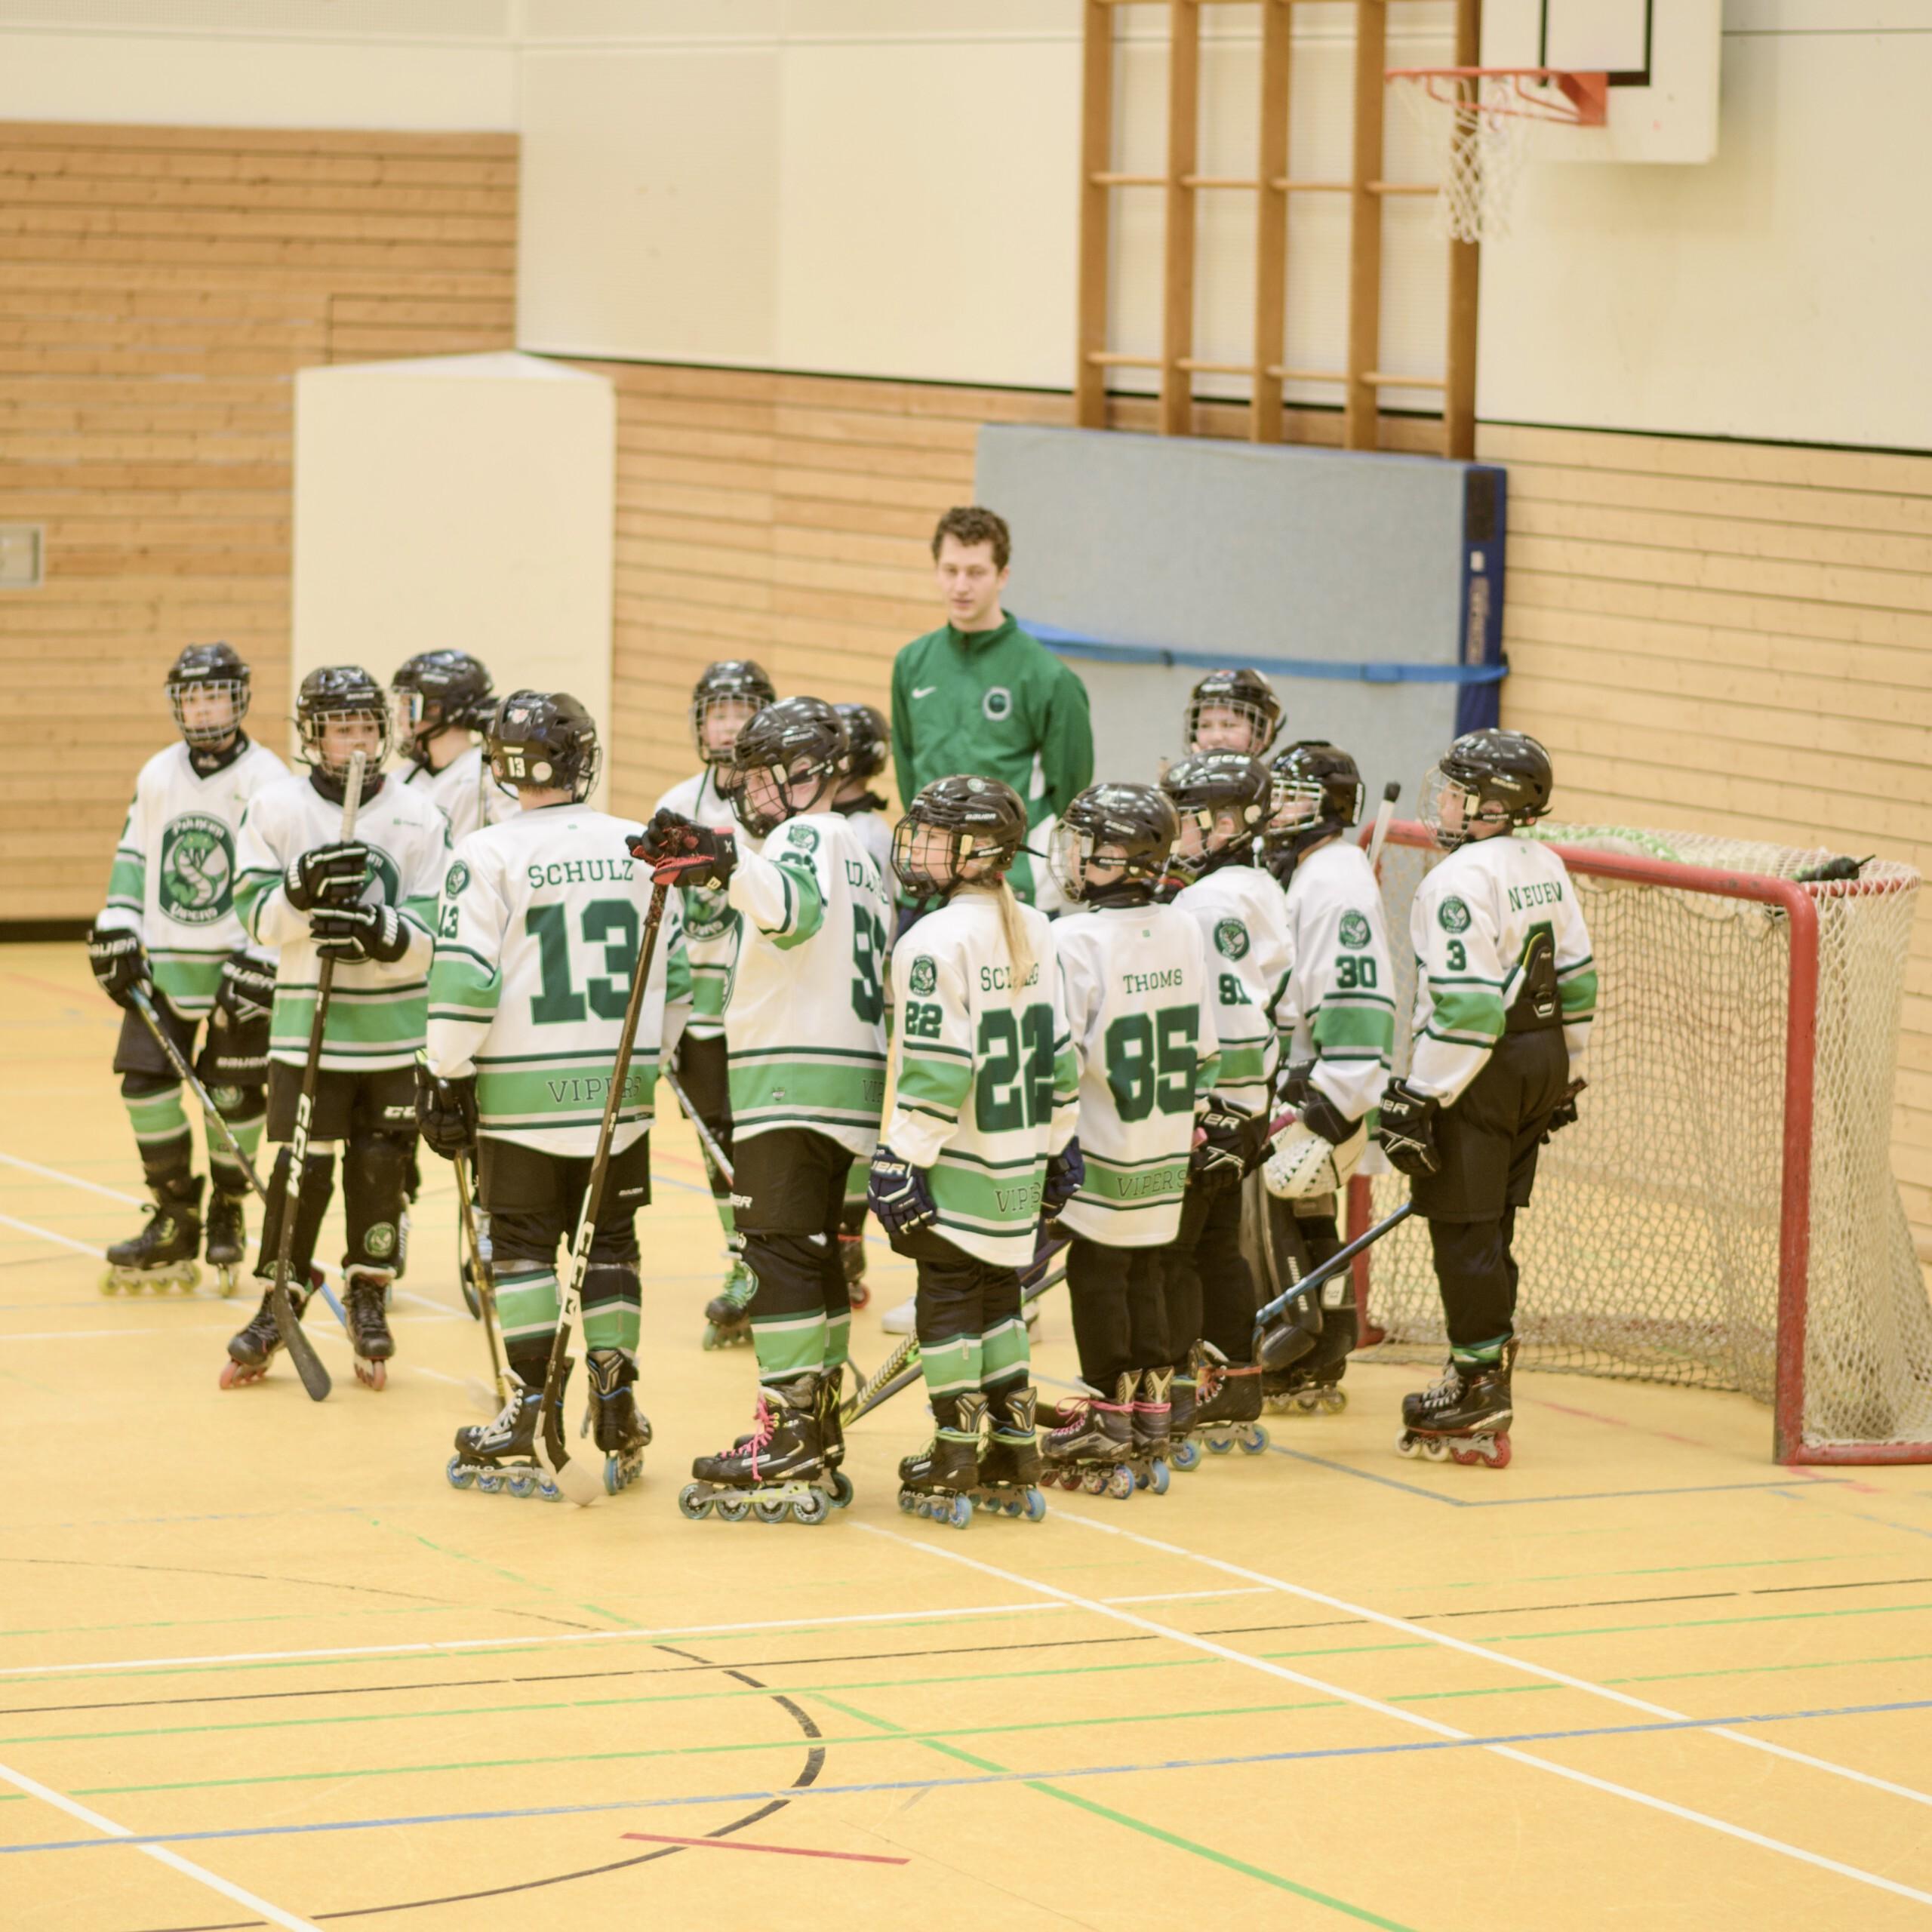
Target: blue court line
[{"x": 793, "y": 1792}]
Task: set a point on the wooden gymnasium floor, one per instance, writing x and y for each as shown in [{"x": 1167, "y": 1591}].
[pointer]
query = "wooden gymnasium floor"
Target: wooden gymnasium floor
[{"x": 261, "y": 1665}]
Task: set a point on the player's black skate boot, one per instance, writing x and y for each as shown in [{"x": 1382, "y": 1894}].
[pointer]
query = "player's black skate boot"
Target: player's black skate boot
[
  {"x": 1313, "y": 1386},
  {"x": 250, "y": 1349},
  {"x": 1463, "y": 1417},
  {"x": 225, "y": 1240},
  {"x": 1010, "y": 1464},
  {"x": 1151, "y": 1427},
  {"x": 1092, "y": 1446},
  {"x": 500, "y": 1457},
  {"x": 1227, "y": 1407},
  {"x": 778, "y": 1470},
  {"x": 162, "y": 1255},
  {"x": 936, "y": 1481},
  {"x": 727, "y": 1319},
  {"x": 620, "y": 1429},
  {"x": 365, "y": 1296},
  {"x": 832, "y": 1435}
]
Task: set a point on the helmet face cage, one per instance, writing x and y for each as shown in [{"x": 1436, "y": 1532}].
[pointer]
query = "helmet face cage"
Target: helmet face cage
[
  {"x": 197, "y": 681},
  {"x": 1451, "y": 807},
  {"x": 730, "y": 692},
  {"x": 313, "y": 720},
  {"x": 934, "y": 859},
  {"x": 1231, "y": 724},
  {"x": 1204, "y": 788},
  {"x": 439, "y": 690}
]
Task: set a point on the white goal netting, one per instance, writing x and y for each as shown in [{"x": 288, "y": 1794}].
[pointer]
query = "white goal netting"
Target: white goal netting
[{"x": 1652, "y": 1250}]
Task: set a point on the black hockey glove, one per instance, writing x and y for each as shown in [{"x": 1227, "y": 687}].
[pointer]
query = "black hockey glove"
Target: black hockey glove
[
  {"x": 1564, "y": 1113},
  {"x": 119, "y": 962},
  {"x": 237, "y": 1052},
  {"x": 446, "y": 1113},
  {"x": 1066, "y": 1175},
  {"x": 897, "y": 1193},
  {"x": 681, "y": 852},
  {"x": 1407, "y": 1131},
  {"x": 355, "y": 934},
  {"x": 328, "y": 875},
  {"x": 1228, "y": 1144},
  {"x": 1320, "y": 1115},
  {"x": 246, "y": 990}
]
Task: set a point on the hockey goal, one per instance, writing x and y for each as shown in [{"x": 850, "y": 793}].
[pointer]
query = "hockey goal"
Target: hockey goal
[{"x": 1723, "y": 1214}]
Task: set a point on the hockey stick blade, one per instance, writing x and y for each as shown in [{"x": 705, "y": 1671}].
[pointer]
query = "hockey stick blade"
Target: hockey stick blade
[{"x": 1329, "y": 1268}]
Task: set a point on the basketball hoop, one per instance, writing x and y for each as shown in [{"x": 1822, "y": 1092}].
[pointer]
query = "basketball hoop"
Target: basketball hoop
[{"x": 1478, "y": 119}]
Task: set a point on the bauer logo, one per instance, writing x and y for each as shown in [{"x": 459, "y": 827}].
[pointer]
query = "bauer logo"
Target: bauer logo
[
  {"x": 1452, "y": 916},
  {"x": 924, "y": 976},
  {"x": 1231, "y": 939},
  {"x": 456, "y": 879},
  {"x": 380, "y": 1242},
  {"x": 998, "y": 703},
  {"x": 1355, "y": 930},
  {"x": 197, "y": 871}
]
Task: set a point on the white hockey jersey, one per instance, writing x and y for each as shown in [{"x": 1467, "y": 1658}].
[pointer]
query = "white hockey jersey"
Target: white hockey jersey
[
  {"x": 1471, "y": 922},
  {"x": 711, "y": 925},
  {"x": 1339, "y": 1008},
  {"x": 1241, "y": 914},
  {"x": 173, "y": 876},
  {"x": 376, "y": 1010},
  {"x": 806, "y": 1019},
  {"x": 986, "y": 1085},
  {"x": 464, "y": 791},
  {"x": 874, "y": 831},
  {"x": 1140, "y": 1006},
  {"x": 537, "y": 936}
]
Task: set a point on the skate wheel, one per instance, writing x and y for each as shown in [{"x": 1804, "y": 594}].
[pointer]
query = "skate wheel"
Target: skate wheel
[
  {"x": 237, "y": 1375},
  {"x": 490, "y": 1481},
  {"x": 1435, "y": 1449},
  {"x": 1157, "y": 1477},
  {"x": 547, "y": 1491},
  {"x": 712, "y": 1340},
  {"x": 1185, "y": 1455},
  {"x": 812, "y": 1509},
  {"x": 224, "y": 1282},
  {"x": 840, "y": 1490},
  {"x": 1408, "y": 1445},
  {"x": 1094, "y": 1482},
  {"x": 734, "y": 1508},
  {"x": 770, "y": 1508},
  {"x": 1493, "y": 1450},
  {"x": 1334, "y": 1401},
  {"x": 1033, "y": 1506},
  {"x": 1253, "y": 1439},
  {"x": 1119, "y": 1482},
  {"x": 693, "y": 1504},
  {"x": 372, "y": 1374},
  {"x": 1219, "y": 1445},
  {"x": 521, "y": 1484},
  {"x": 907, "y": 1501},
  {"x": 459, "y": 1473},
  {"x": 958, "y": 1512}
]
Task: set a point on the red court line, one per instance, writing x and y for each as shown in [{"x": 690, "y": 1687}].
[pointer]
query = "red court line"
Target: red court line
[{"x": 788, "y": 1850}]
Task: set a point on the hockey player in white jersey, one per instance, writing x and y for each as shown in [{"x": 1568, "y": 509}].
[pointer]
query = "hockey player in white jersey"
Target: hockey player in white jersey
[
  {"x": 536, "y": 946},
  {"x": 1222, "y": 798},
  {"x": 980, "y": 1146},
  {"x": 442, "y": 700},
  {"x": 1338, "y": 1017},
  {"x": 806, "y": 1022},
  {"x": 1233, "y": 711},
  {"x": 367, "y": 902},
  {"x": 1141, "y": 1006},
  {"x": 170, "y": 928},
  {"x": 1506, "y": 993},
  {"x": 728, "y": 693}
]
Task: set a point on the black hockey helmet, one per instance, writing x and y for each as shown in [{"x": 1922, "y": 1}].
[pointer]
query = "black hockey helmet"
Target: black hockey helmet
[
  {"x": 732, "y": 680},
  {"x": 436, "y": 690},
  {"x": 1317, "y": 792},
  {"x": 545, "y": 738},
  {"x": 214, "y": 668},
  {"x": 973, "y": 828},
  {"x": 341, "y": 691},
  {"x": 798, "y": 739},
  {"x": 1505, "y": 777},
  {"x": 1134, "y": 826},
  {"x": 1232, "y": 706},
  {"x": 868, "y": 739},
  {"x": 1204, "y": 787}
]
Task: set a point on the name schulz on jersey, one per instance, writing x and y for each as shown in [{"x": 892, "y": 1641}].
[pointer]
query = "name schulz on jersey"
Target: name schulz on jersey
[{"x": 579, "y": 871}]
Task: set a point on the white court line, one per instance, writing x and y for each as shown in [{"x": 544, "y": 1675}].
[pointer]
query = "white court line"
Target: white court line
[
  {"x": 1503, "y": 1657},
  {"x": 71, "y": 1180},
  {"x": 160, "y": 1853},
  {"x": 1412, "y": 1718},
  {"x": 48, "y": 1233}
]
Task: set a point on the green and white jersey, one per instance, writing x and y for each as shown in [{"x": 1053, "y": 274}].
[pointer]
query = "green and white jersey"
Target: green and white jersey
[
  {"x": 986, "y": 1083},
  {"x": 466, "y": 794},
  {"x": 173, "y": 878},
  {"x": 806, "y": 1017},
  {"x": 536, "y": 945},
  {"x": 1339, "y": 1009},
  {"x": 711, "y": 927},
  {"x": 1140, "y": 1006},
  {"x": 1472, "y": 921},
  {"x": 1241, "y": 916},
  {"x": 377, "y": 1010}
]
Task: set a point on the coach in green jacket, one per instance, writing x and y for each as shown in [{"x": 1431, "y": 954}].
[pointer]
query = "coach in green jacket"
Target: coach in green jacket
[{"x": 980, "y": 695}]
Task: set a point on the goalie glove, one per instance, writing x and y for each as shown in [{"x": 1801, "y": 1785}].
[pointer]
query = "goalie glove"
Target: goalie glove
[
  {"x": 1228, "y": 1144},
  {"x": 446, "y": 1113},
  {"x": 118, "y": 961},
  {"x": 356, "y": 934},
  {"x": 897, "y": 1193},
  {"x": 328, "y": 875},
  {"x": 1407, "y": 1130},
  {"x": 1564, "y": 1113},
  {"x": 1066, "y": 1175},
  {"x": 681, "y": 852}
]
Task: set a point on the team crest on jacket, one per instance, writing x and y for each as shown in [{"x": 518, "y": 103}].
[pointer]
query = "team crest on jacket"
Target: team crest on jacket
[
  {"x": 924, "y": 975},
  {"x": 197, "y": 872},
  {"x": 1355, "y": 930},
  {"x": 1452, "y": 916},
  {"x": 805, "y": 837},
  {"x": 1231, "y": 939},
  {"x": 456, "y": 879},
  {"x": 998, "y": 703}
]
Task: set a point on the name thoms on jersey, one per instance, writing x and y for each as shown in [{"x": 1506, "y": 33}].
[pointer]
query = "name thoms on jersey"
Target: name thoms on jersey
[
  {"x": 1152, "y": 983},
  {"x": 1538, "y": 892},
  {"x": 579, "y": 872}
]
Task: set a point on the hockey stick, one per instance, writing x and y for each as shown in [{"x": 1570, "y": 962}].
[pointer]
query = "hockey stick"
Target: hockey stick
[
  {"x": 1384, "y": 813},
  {"x": 486, "y": 1278},
  {"x": 301, "y": 1350},
  {"x": 1329, "y": 1269},
  {"x": 575, "y": 1479},
  {"x": 210, "y": 1112},
  {"x": 715, "y": 1154}
]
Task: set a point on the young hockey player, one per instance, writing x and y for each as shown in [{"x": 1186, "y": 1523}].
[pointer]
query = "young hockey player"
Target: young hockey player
[
  {"x": 442, "y": 698},
  {"x": 807, "y": 1024},
  {"x": 1233, "y": 711},
  {"x": 1339, "y": 1017},
  {"x": 730, "y": 692},
  {"x": 979, "y": 1146},
  {"x": 1223, "y": 799},
  {"x": 169, "y": 927},
  {"x": 366, "y": 903},
  {"x": 536, "y": 946},
  {"x": 1141, "y": 1005},
  {"x": 1506, "y": 994}
]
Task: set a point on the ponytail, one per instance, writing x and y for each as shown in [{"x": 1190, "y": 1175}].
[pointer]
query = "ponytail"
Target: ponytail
[{"x": 1012, "y": 925}]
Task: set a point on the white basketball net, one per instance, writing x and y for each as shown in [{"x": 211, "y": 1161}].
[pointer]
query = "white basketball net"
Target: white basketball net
[{"x": 1478, "y": 127}]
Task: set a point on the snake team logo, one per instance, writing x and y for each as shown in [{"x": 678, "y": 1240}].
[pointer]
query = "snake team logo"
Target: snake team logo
[
  {"x": 1231, "y": 939},
  {"x": 197, "y": 872},
  {"x": 380, "y": 1242},
  {"x": 456, "y": 879},
  {"x": 924, "y": 976},
  {"x": 998, "y": 703},
  {"x": 386, "y": 876},
  {"x": 1355, "y": 930},
  {"x": 1452, "y": 916},
  {"x": 805, "y": 837}
]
